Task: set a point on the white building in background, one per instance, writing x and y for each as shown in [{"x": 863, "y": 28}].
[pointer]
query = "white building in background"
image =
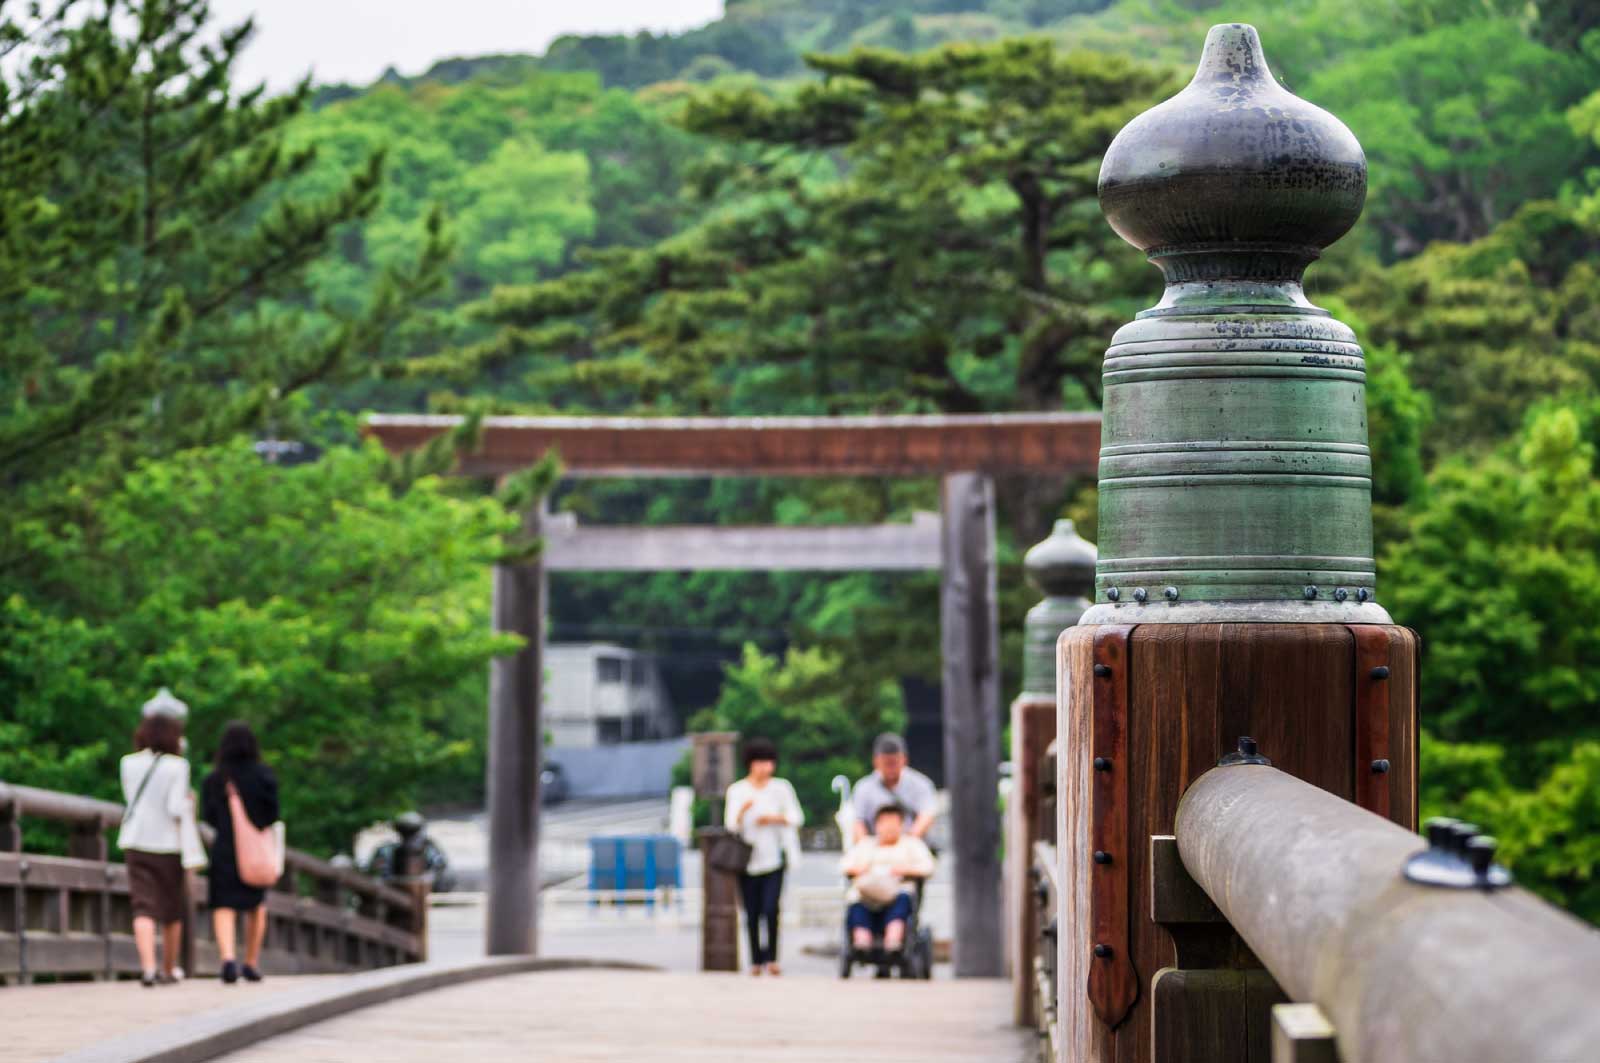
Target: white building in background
[{"x": 597, "y": 694}]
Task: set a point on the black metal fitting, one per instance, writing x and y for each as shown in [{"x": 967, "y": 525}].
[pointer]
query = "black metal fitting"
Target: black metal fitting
[
  {"x": 1102, "y": 763},
  {"x": 1102, "y": 857},
  {"x": 1141, "y": 595},
  {"x": 1380, "y": 767},
  {"x": 1102, "y": 670},
  {"x": 1380, "y": 672},
  {"x": 1457, "y": 857},
  {"x": 1103, "y": 951},
  {"x": 1247, "y": 753}
]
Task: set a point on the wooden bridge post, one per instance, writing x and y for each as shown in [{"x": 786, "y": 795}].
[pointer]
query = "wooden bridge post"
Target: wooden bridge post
[
  {"x": 969, "y": 629},
  {"x": 515, "y": 754},
  {"x": 1061, "y": 567},
  {"x": 1235, "y": 591}
]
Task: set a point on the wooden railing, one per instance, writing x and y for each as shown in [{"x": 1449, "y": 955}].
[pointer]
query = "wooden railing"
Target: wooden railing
[
  {"x": 69, "y": 916},
  {"x": 1042, "y": 963},
  {"x": 1372, "y": 965}
]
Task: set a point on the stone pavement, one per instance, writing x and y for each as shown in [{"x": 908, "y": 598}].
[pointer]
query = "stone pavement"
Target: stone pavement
[{"x": 650, "y": 1017}]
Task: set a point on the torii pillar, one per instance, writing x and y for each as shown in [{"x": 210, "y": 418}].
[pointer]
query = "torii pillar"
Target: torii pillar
[
  {"x": 1235, "y": 591},
  {"x": 516, "y": 742}
]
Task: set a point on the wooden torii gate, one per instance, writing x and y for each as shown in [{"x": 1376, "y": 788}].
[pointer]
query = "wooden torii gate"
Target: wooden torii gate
[{"x": 966, "y": 451}]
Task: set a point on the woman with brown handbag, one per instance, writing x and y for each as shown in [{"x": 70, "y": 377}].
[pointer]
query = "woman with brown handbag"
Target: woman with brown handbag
[{"x": 239, "y": 797}]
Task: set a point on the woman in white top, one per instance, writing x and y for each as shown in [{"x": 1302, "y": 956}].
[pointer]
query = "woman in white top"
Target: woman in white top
[
  {"x": 155, "y": 792},
  {"x": 763, "y": 810}
]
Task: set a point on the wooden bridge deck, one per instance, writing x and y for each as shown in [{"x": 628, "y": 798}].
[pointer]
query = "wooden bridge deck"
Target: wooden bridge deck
[
  {"x": 40, "y": 1022},
  {"x": 647, "y": 1016},
  {"x": 577, "y": 1015}
]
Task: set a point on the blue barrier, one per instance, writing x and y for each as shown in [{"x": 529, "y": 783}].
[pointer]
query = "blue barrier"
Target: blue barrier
[{"x": 634, "y": 862}]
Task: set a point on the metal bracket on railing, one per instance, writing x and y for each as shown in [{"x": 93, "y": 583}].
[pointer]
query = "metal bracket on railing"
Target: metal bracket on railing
[
  {"x": 1247, "y": 753},
  {"x": 1457, "y": 857},
  {"x": 1113, "y": 982},
  {"x": 1373, "y": 784}
]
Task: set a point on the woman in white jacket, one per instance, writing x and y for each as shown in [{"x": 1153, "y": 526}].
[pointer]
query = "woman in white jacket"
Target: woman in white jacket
[
  {"x": 763, "y": 810},
  {"x": 155, "y": 791}
]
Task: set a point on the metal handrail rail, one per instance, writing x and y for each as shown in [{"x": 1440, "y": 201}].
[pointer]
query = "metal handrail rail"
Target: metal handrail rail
[{"x": 1406, "y": 973}]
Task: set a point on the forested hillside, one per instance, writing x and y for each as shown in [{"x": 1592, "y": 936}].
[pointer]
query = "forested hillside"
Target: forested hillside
[{"x": 815, "y": 206}]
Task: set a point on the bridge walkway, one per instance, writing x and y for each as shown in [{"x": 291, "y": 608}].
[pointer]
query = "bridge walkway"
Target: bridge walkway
[
  {"x": 637, "y": 1016},
  {"x": 657, "y": 1017}
]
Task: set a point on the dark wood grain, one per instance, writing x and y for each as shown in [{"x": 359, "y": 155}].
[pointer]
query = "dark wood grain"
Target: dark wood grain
[{"x": 1033, "y": 728}]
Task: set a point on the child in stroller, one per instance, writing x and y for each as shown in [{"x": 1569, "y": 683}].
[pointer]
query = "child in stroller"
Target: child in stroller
[{"x": 886, "y": 870}]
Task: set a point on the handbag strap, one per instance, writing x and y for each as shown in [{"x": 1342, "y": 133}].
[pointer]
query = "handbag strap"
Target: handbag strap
[{"x": 155, "y": 762}]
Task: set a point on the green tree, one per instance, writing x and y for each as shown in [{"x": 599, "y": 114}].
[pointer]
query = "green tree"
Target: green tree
[
  {"x": 1461, "y": 125},
  {"x": 1490, "y": 327},
  {"x": 344, "y": 621},
  {"x": 1501, "y": 553},
  {"x": 822, "y": 723},
  {"x": 917, "y": 232},
  {"x": 153, "y": 269}
]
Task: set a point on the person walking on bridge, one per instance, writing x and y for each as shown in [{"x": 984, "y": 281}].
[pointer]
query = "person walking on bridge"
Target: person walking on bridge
[
  {"x": 764, "y": 810},
  {"x": 156, "y": 798},
  {"x": 893, "y": 782},
  {"x": 239, "y": 769}
]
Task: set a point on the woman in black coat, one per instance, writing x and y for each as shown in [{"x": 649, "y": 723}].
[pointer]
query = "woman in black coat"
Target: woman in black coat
[{"x": 238, "y": 762}]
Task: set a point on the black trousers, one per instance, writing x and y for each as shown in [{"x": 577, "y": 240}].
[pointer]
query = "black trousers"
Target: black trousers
[{"x": 760, "y": 895}]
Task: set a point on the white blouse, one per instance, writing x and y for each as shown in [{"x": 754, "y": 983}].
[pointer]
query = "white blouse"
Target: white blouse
[
  {"x": 152, "y": 825},
  {"x": 769, "y": 842}
]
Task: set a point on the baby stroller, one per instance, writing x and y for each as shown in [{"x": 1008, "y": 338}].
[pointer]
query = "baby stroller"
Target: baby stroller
[{"x": 914, "y": 958}]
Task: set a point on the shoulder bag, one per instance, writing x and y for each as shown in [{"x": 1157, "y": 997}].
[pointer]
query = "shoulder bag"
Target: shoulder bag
[
  {"x": 258, "y": 851},
  {"x": 728, "y": 852}
]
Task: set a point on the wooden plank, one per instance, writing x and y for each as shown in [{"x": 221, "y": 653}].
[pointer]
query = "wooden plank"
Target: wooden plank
[
  {"x": 1033, "y": 728},
  {"x": 1082, "y": 1038},
  {"x": 1198, "y": 1017},
  {"x": 1175, "y": 897},
  {"x": 1212, "y": 1016},
  {"x": 910, "y": 547},
  {"x": 1405, "y": 656},
  {"x": 970, "y": 640},
  {"x": 1055, "y": 444},
  {"x": 1175, "y": 708},
  {"x": 1301, "y": 1033},
  {"x": 1113, "y": 984}
]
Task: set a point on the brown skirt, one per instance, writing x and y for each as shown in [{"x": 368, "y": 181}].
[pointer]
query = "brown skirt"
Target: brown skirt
[{"x": 155, "y": 885}]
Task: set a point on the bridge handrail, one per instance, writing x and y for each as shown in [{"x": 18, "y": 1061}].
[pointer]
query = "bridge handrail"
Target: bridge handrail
[
  {"x": 1045, "y": 872},
  {"x": 333, "y": 917},
  {"x": 34, "y": 803},
  {"x": 1404, "y": 972},
  {"x": 18, "y": 801}
]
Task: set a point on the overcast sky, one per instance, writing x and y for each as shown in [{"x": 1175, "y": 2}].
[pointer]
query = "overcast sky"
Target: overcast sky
[{"x": 354, "y": 40}]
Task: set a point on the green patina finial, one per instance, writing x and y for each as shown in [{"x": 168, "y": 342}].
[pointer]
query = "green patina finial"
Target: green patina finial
[
  {"x": 1235, "y": 480},
  {"x": 1061, "y": 567}
]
